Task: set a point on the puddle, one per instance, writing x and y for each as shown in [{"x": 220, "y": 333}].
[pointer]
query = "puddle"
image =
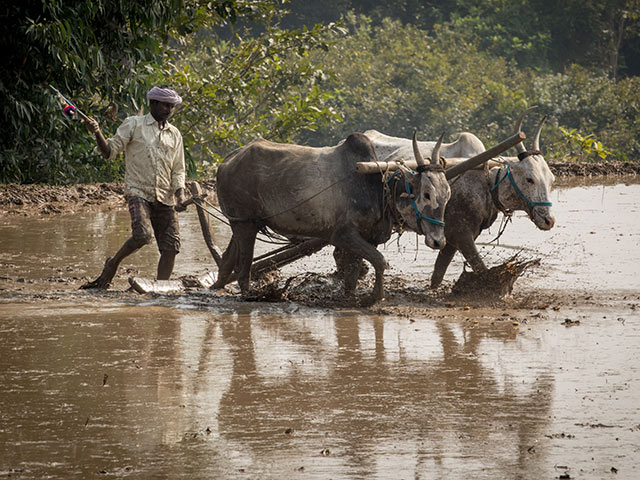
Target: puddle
[{"x": 128, "y": 386}]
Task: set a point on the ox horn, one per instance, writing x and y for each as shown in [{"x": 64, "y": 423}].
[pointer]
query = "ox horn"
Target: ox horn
[
  {"x": 536, "y": 139},
  {"x": 435, "y": 154},
  {"x": 518, "y": 128},
  {"x": 416, "y": 151}
]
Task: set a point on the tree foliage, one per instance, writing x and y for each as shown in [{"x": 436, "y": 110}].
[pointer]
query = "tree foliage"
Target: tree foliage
[
  {"x": 394, "y": 78},
  {"x": 250, "y": 86},
  {"x": 245, "y": 70},
  {"x": 539, "y": 34},
  {"x": 99, "y": 53}
]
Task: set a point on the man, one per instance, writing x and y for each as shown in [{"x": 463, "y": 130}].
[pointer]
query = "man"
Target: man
[{"x": 154, "y": 181}]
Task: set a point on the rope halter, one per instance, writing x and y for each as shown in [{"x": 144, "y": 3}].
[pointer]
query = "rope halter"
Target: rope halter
[
  {"x": 530, "y": 203},
  {"x": 419, "y": 216}
]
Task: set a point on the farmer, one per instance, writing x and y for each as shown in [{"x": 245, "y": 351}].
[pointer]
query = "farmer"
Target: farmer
[{"x": 154, "y": 181}]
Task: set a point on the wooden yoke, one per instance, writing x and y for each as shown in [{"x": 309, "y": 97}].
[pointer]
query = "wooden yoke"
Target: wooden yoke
[
  {"x": 484, "y": 156},
  {"x": 460, "y": 165}
]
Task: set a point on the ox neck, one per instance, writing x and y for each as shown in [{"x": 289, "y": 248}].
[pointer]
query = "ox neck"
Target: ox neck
[{"x": 497, "y": 175}]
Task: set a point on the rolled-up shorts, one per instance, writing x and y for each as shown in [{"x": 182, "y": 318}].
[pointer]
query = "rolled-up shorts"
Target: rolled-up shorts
[{"x": 157, "y": 218}]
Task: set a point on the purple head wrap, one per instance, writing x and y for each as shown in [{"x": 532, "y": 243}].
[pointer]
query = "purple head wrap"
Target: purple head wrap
[{"x": 164, "y": 95}]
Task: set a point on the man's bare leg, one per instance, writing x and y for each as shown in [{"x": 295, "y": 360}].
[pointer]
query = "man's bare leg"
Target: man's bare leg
[
  {"x": 112, "y": 263},
  {"x": 165, "y": 265}
]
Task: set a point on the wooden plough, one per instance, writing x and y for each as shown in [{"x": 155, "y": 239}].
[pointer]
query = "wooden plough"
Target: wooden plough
[{"x": 294, "y": 250}]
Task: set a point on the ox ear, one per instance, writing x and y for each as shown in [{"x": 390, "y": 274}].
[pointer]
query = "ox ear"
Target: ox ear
[
  {"x": 518, "y": 128},
  {"x": 536, "y": 138}
]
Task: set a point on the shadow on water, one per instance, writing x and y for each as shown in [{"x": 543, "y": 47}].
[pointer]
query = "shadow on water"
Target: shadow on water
[{"x": 128, "y": 386}]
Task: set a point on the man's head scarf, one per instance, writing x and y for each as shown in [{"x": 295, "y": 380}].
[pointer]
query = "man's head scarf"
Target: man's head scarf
[{"x": 164, "y": 95}]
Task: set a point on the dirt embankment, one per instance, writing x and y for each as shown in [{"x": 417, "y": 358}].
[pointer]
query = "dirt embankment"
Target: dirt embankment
[
  {"x": 594, "y": 169},
  {"x": 53, "y": 199}
]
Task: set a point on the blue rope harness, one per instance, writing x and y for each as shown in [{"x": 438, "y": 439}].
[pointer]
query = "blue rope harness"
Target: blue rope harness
[
  {"x": 419, "y": 215},
  {"x": 519, "y": 192}
]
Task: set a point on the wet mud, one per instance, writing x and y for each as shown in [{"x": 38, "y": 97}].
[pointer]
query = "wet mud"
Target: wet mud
[{"x": 538, "y": 382}]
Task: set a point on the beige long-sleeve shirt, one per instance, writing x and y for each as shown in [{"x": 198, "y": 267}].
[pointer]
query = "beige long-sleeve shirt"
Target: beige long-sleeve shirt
[{"x": 154, "y": 158}]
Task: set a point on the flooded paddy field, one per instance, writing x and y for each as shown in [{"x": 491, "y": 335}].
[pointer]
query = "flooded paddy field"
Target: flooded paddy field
[{"x": 543, "y": 383}]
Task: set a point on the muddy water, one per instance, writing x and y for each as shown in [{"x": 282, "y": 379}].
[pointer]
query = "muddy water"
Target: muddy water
[{"x": 119, "y": 385}]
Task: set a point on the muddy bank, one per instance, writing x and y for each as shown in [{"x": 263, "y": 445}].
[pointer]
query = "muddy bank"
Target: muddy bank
[
  {"x": 594, "y": 169},
  {"x": 53, "y": 199}
]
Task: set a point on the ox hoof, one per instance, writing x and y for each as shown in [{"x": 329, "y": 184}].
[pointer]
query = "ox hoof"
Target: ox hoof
[{"x": 370, "y": 300}]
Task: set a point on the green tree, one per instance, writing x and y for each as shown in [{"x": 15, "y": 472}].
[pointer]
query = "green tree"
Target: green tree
[
  {"x": 395, "y": 78},
  {"x": 597, "y": 114},
  {"x": 98, "y": 52}
]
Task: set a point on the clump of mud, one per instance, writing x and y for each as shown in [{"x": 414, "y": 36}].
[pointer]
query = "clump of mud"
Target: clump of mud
[
  {"x": 494, "y": 283},
  {"x": 313, "y": 289},
  {"x": 267, "y": 288},
  {"x": 327, "y": 290}
]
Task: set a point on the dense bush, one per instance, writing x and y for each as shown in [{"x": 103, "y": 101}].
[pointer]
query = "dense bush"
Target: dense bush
[
  {"x": 395, "y": 77},
  {"x": 604, "y": 114},
  {"x": 239, "y": 89}
]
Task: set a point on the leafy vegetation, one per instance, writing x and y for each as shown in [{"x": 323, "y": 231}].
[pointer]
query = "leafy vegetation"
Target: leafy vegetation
[
  {"x": 394, "y": 78},
  {"x": 101, "y": 54},
  {"x": 245, "y": 68},
  {"x": 240, "y": 89}
]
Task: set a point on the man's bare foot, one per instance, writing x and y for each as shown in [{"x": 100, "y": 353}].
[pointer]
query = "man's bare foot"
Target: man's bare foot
[{"x": 104, "y": 280}]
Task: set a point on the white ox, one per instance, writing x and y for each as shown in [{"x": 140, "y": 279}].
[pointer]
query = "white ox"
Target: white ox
[{"x": 514, "y": 183}]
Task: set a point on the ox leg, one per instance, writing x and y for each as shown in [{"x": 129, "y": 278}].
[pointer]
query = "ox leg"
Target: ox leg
[
  {"x": 470, "y": 252},
  {"x": 442, "y": 263},
  {"x": 227, "y": 264},
  {"x": 245, "y": 233},
  {"x": 351, "y": 241},
  {"x": 347, "y": 265}
]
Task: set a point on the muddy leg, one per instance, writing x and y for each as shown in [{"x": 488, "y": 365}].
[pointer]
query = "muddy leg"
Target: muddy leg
[
  {"x": 165, "y": 265},
  {"x": 227, "y": 264},
  {"x": 356, "y": 246},
  {"x": 442, "y": 263},
  {"x": 345, "y": 262},
  {"x": 471, "y": 255},
  {"x": 112, "y": 263},
  {"x": 245, "y": 233},
  {"x": 348, "y": 271}
]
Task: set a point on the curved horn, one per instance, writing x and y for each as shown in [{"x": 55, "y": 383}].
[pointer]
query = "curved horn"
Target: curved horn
[
  {"x": 435, "y": 154},
  {"x": 536, "y": 139},
  {"x": 518, "y": 127},
  {"x": 416, "y": 151}
]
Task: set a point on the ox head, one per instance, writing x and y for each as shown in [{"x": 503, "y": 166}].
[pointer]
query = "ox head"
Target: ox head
[
  {"x": 426, "y": 193},
  {"x": 527, "y": 181}
]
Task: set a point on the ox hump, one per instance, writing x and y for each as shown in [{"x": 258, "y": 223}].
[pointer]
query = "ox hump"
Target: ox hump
[{"x": 360, "y": 145}]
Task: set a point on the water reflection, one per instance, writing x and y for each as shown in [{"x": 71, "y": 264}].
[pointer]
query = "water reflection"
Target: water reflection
[{"x": 150, "y": 389}]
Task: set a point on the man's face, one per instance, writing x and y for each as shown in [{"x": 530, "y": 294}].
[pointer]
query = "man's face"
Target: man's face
[{"x": 161, "y": 111}]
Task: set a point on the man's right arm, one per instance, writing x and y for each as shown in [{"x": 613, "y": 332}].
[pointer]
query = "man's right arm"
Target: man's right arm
[{"x": 103, "y": 145}]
